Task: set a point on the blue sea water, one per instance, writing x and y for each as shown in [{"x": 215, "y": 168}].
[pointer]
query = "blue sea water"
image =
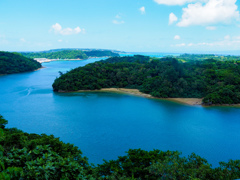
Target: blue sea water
[{"x": 105, "y": 125}]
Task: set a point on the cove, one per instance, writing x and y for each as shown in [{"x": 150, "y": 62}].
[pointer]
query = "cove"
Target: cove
[{"x": 105, "y": 125}]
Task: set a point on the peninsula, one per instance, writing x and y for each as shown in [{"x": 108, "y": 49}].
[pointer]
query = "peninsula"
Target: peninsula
[
  {"x": 68, "y": 54},
  {"x": 213, "y": 81},
  {"x": 15, "y": 63}
]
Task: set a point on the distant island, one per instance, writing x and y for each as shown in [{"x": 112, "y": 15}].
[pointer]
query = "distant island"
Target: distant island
[
  {"x": 201, "y": 57},
  {"x": 212, "y": 81},
  {"x": 69, "y": 54},
  {"x": 15, "y": 63}
]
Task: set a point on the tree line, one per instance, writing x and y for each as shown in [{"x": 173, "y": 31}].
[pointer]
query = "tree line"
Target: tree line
[
  {"x": 218, "y": 82},
  {"x": 69, "y": 54},
  {"x": 33, "y": 156}
]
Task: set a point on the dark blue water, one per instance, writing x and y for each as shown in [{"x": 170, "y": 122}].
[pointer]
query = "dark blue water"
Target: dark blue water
[{"x": 105, "y": 125}]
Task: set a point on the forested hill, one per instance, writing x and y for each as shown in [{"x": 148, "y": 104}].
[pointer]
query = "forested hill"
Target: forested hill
[
  {"x": 64, "y": 54},
  {"x": 102, "y": 53},
  {"x": 33, "y": 156},
  {"x": 201, "y": 57},
  {"x": 69, "y": 54},
  {"x": 16, "y": 63},
  {"x": 217, "y": 81}
]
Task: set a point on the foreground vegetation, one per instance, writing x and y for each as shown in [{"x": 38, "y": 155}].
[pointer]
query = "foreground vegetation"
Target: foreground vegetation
[
  {"x": 16, "y": 63},
  {"x": 217, "y": 81},
  {"x": 33, "y": 156},
  {"x": 69, "y": 54}
]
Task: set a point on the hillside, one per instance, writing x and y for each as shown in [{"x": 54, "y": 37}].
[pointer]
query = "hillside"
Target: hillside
[
  {"x": 217, "y": 81},
  {"x": 98, "y": 53},
  {"x": 64, "y": 54},
  {"x": 69, "y": 54},
  {"x": 202, "y": 57},
  {"x": 16, "y": 63}
]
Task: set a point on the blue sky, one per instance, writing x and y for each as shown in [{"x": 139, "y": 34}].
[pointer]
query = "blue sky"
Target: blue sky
[{"x": 127, "y": 25}]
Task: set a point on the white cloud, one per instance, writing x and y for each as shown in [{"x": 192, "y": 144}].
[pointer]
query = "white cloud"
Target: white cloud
[
  {"x": 177, "y": 37},
  {"x": 227, "y": 41},
  {"x": 174, "y": 2},
  {"x": 118, "y": 19},
  {"x": 60, "y": 40},
  {"x": 57, "y": 28},
  {"x": 118, "y": 22},
  {"x": 212, "y": 12},
  {"x": 227, "y": 37},
  {"x": 172, "y": 18},
  {"x": 23, "y": 40},
  {"x": 142, "y": 10},
  {"x": 181, "y": 45},
  {"x": 211, "y": 28}
]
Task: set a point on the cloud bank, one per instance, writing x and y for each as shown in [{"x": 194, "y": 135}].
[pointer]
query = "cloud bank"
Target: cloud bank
[
  {"x": 177, "y": 37},
  {"x": 57, "y": 29},
  {"x": 212, "y": 12}
]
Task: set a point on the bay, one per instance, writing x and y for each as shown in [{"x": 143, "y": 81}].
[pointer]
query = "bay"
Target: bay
[{"x": 105, "y": 125}]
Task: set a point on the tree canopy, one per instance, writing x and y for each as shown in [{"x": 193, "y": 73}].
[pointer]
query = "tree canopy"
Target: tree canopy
[
  {"x": 16, "y": 63},
  {"x": 102, "y": 53},
  {"x": 69, "y": 54},
  {"x": 218, "y": 82}
]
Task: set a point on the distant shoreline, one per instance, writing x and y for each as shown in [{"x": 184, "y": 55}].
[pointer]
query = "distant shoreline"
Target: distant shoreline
[
  {"x": 44, "y": 60},
  {"x": 136, "y": 92}
]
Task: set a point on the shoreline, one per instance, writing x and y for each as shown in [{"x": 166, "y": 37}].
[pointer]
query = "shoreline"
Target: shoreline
[
  {"x": 23, "y": 72},
  {"x": 40, "y": 68},
  {"x": 44, "y": 60},
  {"x": 136, "y": 92}
]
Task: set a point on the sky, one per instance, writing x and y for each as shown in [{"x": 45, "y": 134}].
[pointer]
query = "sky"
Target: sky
[{"x": 184, "y": 26}]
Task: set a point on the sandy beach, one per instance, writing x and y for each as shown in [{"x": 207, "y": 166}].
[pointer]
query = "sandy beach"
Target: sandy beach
[
  {"x": 189, "y": 101},
  {"x": 136, "y": 92}
]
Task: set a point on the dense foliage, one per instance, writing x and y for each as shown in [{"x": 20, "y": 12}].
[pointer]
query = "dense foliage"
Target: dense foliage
[
  {"x": 64, "y": 54},
  {"x": 16, "y": 63},
  {"x": 201, "y": 57},
  {"x": 70, "y": 54},
  {"x": 98, "y": 53},
  {"x": 217, "y": 81},
  {"x": 33, "y": 156}
]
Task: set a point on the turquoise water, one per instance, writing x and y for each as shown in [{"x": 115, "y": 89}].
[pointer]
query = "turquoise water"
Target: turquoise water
[{"x": 105, "y": 125}]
